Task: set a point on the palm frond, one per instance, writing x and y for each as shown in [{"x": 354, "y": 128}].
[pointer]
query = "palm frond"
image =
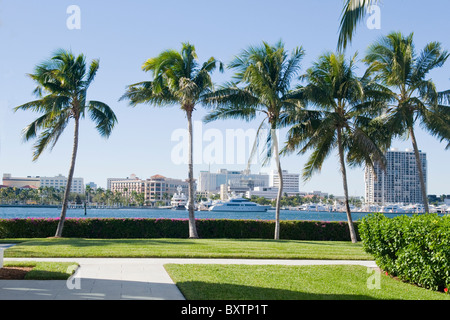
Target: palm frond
[
  {"x": 103, "y": 116},
  {"x": 352, "y": 13}
]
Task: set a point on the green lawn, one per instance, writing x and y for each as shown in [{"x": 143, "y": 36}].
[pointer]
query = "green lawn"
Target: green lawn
[
  {"x": 187, "y": 248},
  {"x": 234, "y": 282},
  {"x": 45, "y": 270},
  {"x": 275, "y": 282}
]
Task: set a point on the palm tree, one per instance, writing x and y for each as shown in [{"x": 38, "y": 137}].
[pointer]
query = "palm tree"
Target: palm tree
[
  {"x": 62, "y": 83},
  {"x": 397, "y": 66},
  {"x": 262, "y": 84},
  {"x": 352, "y": 13},
  {"x": 342, "y": 109},
  {"x": 177, "y": 79}
]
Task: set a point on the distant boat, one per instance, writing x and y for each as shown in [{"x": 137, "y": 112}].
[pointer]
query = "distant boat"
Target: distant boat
[
  {"x": 239, "y": 205},
  {"x": 179, "y": 200},
  {"x": 393, "y": 208},
  {"x": 316, "y": 207},
  {"x": 205, "y": 205}
]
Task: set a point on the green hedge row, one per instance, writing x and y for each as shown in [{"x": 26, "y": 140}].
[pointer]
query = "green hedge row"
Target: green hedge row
[
  {"x": 113, "y": 228},
  {"x": 415, "y": 249}
]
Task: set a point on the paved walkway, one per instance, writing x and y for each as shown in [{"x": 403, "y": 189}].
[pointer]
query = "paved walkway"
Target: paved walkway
[{"x": 122, "y": 279}]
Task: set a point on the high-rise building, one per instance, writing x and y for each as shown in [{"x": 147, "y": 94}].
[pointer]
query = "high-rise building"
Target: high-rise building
[{"x": 400, "y": 182}]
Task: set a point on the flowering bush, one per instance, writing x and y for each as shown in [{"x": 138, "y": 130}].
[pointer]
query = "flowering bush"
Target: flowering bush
[
  {"x": 416, "y": 249},
  {"x": 172, "y": 228}
]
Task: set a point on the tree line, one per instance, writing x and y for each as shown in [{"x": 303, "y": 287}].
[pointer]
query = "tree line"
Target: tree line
[{"x": 326, "y": 108}]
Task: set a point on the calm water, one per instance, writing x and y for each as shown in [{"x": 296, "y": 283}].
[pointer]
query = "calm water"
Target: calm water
[{"x": 20, "y": 212}]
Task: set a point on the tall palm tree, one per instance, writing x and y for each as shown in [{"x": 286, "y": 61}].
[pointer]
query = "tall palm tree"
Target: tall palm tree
[
  {"x": 177, "y": 79},
  {"x": 261, "y": 87},
  {"x": 341, "y": 109},
  {"x": 62, "y": 84},
  {"x": 352, "y": 13},
  {"x": 397, "y": 66}
]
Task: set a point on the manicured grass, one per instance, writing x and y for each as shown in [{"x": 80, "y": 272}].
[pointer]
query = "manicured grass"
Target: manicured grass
[
  {"x": 187, "y": 248},
  {"x": 275, "y": 282},
  {"x": 45, "y": 270}
]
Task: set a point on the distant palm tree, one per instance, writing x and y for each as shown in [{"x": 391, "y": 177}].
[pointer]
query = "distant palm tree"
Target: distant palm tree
[
  {"x": 262, "y": 85},
  {"x": 342, "y": 107},
  {"x": 177, "y": 79},
  {"x": 414, "y": 97},
  {"x": 352, "y": 13},
  {"x": 62, "y": 84}
]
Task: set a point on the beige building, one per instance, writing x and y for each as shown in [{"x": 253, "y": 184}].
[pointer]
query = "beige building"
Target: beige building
[
  {"x": 157, "y": 188},
  {"x": 20, "y": 182},
  {"x": 57, "y": 182}
]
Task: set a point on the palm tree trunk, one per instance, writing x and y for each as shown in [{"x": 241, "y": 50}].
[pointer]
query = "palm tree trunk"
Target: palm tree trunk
[
  {"x": 419, "y": 169},
  {"x": 280, "y": 187},
  {"x": 69, "y": 180},
  {"x": 351, "y": 227},
  {"x": 192, "y": 227}
]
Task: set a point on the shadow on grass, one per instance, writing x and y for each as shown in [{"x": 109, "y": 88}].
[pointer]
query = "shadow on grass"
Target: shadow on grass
[{"x": 197, "y": 290}]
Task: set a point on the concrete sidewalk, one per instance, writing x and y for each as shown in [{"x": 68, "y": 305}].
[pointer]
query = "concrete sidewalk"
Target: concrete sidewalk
[{"x": 124, "y": 279}]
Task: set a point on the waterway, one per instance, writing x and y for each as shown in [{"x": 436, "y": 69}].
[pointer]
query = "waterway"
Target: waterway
[{"x": 40, "y": 212}]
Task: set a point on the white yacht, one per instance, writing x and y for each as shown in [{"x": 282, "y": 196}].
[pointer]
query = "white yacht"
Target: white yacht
[
  {"x": 179, "y": 200},
  {"x": 239, "y": 205},
  {"x": 316, "y": 207},
  {"x": 393, "y": 208}
]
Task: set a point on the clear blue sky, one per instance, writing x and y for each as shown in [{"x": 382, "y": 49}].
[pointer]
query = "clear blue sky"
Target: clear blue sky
[{"x": 123, "y": 34}]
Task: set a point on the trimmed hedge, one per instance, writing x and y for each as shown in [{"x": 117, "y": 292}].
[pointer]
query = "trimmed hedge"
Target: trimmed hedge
[
  {"x": 415, "y": 249},
  {"x": 113, "y": 228}
]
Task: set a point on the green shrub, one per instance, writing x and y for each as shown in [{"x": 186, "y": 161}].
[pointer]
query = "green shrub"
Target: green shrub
[
  {"x": 416, "y": 249},
  {"x": 173, "y": 228}
]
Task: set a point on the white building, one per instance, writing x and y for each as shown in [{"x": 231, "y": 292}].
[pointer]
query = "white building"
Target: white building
[
  {"x": 400, "y": 182},
  {"x": 56, "y": 182},
  {"x": 268, "y": 193},
  {"x": 291, "y": 181},
  {"x": 61, "y": 181},
  {"x": 237, "y": 181}
]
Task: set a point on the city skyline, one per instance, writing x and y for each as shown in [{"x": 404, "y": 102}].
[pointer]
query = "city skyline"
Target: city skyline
[{"x": 146, "y": 137}]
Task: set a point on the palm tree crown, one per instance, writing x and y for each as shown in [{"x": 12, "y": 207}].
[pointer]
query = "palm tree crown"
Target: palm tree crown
[
  {"x": 342, "y": 109},
  {"x": 62, "y": 84},
  {"x": 413, "y": 97},
  {"x": 262, "y": 84},
  {"x": 177, "y": 79}
]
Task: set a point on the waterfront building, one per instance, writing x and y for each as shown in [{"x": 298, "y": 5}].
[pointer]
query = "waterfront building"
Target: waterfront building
[
  {"x": 157, "y": 188},
  {"x": 20, "y": 182},
  {"x": 270, "y": 193},
  {"x": 36, "y": 182},
  {"x": 92, "y": 185},
  {"x": 291, "y": 181},
  {"x": 60, "y": 181},
  {"x": 237, "y": 181},
  {"x": 400, "y": 182}
]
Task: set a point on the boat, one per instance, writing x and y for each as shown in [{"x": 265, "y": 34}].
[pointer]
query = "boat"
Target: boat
[
  {"x": 316, "y": 207},
  {"x": 179, "y": 200},
  {"x": 205, "y": 205},
  {"x": 239, "y": 204},
  {"x": 393, "y": 208}
]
